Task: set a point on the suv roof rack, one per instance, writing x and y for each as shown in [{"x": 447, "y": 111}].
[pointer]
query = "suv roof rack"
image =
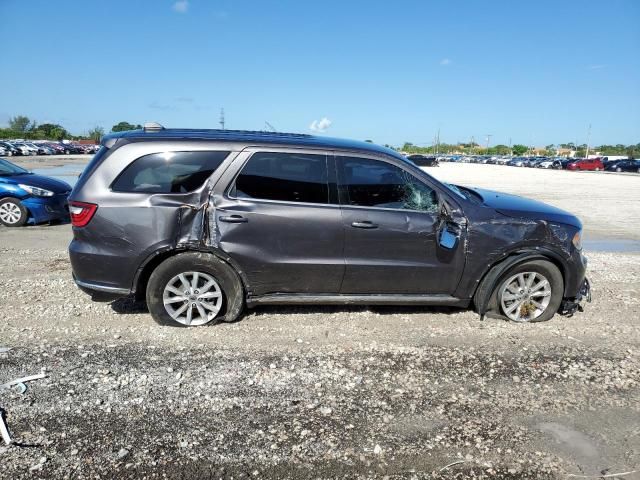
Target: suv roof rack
[{"x": 152, "y": 127}]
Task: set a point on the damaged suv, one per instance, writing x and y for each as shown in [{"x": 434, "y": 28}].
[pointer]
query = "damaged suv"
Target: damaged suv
[{"x": 202, "y": 223}]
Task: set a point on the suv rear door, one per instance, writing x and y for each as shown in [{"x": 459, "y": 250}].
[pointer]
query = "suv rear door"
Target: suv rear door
[
  {"x": 279, "y": 219},
  {"x": 393, "y": 225}
]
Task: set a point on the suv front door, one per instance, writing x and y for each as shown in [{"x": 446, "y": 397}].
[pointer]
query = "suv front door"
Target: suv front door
[
  {"x": 279, "y": 219},
  {"x": 393, "y": 227}
]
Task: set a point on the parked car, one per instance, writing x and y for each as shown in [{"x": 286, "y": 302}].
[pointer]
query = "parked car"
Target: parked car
[
  {"x": 202, "y": 222},
  {"x": 25, "y": 196},
  {"x": 586, "y": 164},
  {"x": 25, "y": 149},
  {"x": 609, "y": 163},
  {"x": 547, "y": 163},
  {"x": 516, "y": 162},
  {"x": 10, "y": 149},
  {"x": 424, "y": 160},
  {"x": 624, "y": 166},
  {"x": 69, "y": 148},
  {"x": 40, "y": 148},
  {"x": 564, "y": 163}
]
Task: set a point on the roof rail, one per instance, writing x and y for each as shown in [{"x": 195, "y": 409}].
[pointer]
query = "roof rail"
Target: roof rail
[{"x": 152, "y": 127}]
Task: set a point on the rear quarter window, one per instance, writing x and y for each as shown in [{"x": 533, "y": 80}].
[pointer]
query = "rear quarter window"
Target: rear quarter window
[{"x": 168, "y": 172}]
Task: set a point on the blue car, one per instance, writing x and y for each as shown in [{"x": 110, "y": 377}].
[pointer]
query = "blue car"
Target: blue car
[{"x": 27, "y": 197}]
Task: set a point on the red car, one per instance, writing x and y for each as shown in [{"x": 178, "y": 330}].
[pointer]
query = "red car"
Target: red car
[{"x": 586, "y": 164}]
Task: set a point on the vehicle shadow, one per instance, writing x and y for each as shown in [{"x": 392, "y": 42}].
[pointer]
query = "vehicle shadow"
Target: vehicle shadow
[
  {"x": 129, "y": 305},
  {"x": 331, "y": 309}
]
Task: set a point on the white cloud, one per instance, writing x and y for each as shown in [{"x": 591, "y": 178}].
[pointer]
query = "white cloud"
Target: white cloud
[
  {"x": 596, "y": 67},
  {"x": 181, "y": 6},
  {"x": 321, "y": 125},
  {"x": 445, "y": 61}
]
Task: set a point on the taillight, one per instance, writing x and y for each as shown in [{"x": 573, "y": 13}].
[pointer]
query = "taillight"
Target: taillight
[{"x": 81, "y": 213}]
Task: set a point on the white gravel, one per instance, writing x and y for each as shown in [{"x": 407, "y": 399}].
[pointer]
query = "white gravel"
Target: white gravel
[{"x": 313, "y": 392}]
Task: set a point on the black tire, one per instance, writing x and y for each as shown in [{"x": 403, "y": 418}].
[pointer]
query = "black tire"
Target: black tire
[
  {"x": 549, "y": 271},
  {"x": 225, "y": 276},
  {"x": 14, "y": 202}
]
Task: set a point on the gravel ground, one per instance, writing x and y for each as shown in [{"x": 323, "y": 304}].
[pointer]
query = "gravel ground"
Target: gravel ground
[{"x": 313, "y": 392}]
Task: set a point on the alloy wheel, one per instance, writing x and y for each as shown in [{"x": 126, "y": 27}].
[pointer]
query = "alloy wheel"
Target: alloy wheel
[
  {"x": 192, "y": 298},
  {"x": 525, "y": 296},
  {"x": 10, "y": 213}
]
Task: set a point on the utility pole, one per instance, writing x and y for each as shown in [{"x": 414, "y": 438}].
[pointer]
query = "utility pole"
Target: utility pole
[
  {"x": 510, "y": 149},
  {"x": 586, "y": 155},
  {"x": 438, "y": 142},
  {"x": 222, "y": 118},
  {"x": 488, "y": 138},
  {"x": 473, "y": 141}
]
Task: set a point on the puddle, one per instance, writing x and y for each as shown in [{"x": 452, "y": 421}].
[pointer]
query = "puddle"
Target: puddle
[
  {"x": 611, "y": 245},
  {"x": 66, "y": 173}
]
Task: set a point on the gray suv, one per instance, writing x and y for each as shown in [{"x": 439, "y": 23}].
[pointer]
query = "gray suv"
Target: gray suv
[{"x": 202, "y": 223}]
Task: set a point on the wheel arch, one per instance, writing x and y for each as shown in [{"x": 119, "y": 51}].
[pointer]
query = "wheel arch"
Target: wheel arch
[
  {"x": 489, "y": 279},
  {"x": 144, "y": 271}
]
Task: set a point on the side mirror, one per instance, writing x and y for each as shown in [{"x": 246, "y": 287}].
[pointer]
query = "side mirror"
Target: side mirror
[{"x": 447, "y": 239}]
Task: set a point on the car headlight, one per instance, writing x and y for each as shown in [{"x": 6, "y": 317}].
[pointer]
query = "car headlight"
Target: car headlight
[
  {"x": 35, "y": 191},
  {"x": 577, "y": 240}
]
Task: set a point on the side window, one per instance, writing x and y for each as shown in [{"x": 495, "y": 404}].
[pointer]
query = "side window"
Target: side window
[
  {"x": 373, "y": 183},
  {"x": 287, "y": 177},
  {"x": 168, "y": 172}
]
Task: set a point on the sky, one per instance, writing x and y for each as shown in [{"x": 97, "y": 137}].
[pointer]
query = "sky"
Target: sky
[{"x": 533, "y": 72}]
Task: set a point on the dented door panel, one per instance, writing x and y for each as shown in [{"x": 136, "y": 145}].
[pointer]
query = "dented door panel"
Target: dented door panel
[
  {"x": 400, "y": 255},
  {"x": 283, "y": 247}
]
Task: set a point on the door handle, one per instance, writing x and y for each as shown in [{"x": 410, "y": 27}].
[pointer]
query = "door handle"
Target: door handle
[
  {"x": 365, "y": 224},
  {"x": 232, "y": 219}
]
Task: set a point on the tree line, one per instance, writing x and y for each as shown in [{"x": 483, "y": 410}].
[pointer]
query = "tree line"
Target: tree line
[
  {"x": 518, "y": 150},
  {"x": 23, "y": 127}
]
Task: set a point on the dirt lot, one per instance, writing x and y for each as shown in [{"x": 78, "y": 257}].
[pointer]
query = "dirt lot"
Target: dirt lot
[{"x": 328, "y": 392}]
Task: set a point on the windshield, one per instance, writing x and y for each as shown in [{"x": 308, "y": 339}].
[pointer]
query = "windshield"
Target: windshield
[
  {"x": 464, "y": 192},
  {"x": 8, "y": 168}
]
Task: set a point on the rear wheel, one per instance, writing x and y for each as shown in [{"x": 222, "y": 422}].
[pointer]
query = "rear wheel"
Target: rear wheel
[
  {"x": 192, "y": 289},
  {"x": 530, "y": 292},
  {"x": 618, "y": 169},
  {"x": 12, "y": 212}
]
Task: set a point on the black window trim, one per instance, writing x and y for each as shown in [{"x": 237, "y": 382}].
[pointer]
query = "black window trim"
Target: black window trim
[
  {"x": 230, "y": 154},
  {"x": 397, "y": 163},
  {"x": 331, "y": 175}
]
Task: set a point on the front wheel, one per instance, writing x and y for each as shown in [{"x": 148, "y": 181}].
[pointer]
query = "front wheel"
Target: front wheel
[
  {"x": 12, "y": 213},
  {"x": 530, "y": 292},
  {"x": 192, "y": 289}
]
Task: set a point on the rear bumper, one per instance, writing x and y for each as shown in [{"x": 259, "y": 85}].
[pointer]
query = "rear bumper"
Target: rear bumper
[
  {"x": 101, "y": 293},
  {"x": 96, "y": 270}
]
